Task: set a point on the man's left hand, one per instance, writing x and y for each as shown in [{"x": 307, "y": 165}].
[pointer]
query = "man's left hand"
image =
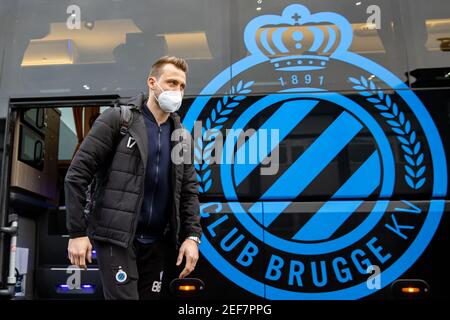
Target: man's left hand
[{"x": 189, "y": 249}]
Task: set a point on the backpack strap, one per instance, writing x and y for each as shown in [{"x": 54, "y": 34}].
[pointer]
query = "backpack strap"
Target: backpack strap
[{"x": 126, "y": 117}]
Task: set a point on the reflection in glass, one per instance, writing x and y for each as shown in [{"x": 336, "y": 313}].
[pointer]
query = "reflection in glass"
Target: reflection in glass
[{"x": 86, "y": 45}]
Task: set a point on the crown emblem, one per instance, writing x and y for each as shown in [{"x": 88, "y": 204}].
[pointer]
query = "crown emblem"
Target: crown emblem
[{"x": 298, "y": 40}]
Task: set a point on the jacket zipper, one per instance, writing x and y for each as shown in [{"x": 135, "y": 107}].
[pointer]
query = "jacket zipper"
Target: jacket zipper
[
  {"x": 177, "y": 222},
  {"x": 156, "y": 177}
]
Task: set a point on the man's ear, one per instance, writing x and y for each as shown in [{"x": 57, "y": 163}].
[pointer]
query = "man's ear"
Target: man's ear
[{"x": 151, "y": 83}]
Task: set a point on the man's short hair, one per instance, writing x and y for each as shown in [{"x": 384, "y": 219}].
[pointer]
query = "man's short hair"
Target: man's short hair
[{"x": 180, "y": 63}]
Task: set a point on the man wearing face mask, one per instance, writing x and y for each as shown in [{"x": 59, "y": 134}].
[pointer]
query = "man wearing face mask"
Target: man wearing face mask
[{"x": 144, "y": 206}]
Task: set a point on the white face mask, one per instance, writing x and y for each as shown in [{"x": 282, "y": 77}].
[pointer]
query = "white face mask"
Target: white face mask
[{"x": 169, "y": 101}]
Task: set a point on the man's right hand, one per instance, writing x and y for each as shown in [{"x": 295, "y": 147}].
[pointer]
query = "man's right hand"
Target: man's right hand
[{"x": 80, "y": 249}]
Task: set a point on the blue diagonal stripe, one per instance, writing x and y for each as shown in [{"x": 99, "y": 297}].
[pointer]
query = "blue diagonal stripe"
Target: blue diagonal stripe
[
  {"x": 335, "y": 212},
  {"x": 284, "y": 119},
  {"x": 303, "y": 171}
]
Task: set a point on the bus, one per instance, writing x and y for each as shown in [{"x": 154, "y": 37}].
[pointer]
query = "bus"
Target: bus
[{"x": 335, "y": 122}]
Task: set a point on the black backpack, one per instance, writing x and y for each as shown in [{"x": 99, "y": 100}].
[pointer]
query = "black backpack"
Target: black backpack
[{"x": 126, "y": 118}]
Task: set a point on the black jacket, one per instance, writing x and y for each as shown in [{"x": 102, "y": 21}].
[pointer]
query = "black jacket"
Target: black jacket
[{"x": 120, "y": 175}]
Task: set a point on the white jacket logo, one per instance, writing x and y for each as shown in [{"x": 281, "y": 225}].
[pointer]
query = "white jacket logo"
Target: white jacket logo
[{"x": 131, "y": 142}]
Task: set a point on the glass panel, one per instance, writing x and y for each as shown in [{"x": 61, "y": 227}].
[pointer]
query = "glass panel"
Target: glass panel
[
  {"x": 67, "y": 134},
  {"x": 107, "y": 47},
  {"x": 309, "y": 49},
  {"x": 7, "y": 15},
  {"x": 427, "y": 34},
  {"x": 30, "y": 146}
]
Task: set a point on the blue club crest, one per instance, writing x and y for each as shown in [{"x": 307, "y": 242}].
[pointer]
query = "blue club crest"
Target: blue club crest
[{"x": 327, "y": 255}]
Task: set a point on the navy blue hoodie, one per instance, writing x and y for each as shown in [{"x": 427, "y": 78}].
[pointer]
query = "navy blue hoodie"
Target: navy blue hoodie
[{"x": 158, "y": 189}]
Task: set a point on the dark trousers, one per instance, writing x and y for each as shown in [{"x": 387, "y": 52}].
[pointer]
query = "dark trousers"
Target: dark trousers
[{"x": 133, "y": 273}]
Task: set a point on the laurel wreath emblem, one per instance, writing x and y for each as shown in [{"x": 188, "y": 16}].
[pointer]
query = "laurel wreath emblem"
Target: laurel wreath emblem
[
  {"x": 214, "y": 123},
  {"x": 411, "y": 146}
]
